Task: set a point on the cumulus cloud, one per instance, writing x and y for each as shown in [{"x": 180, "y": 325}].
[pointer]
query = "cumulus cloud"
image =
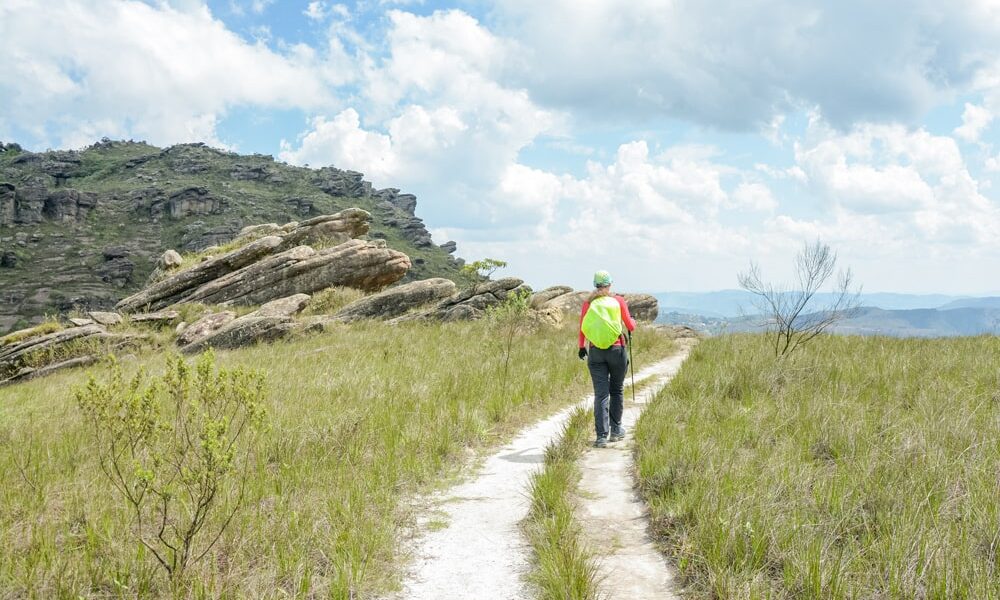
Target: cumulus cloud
[
  {"x": 896, "y": 183},
  {"x": 75, "y": 71},
  {"x": 442, "y": 124},
  {"x": 975, "y": 119},
  {"x": 739, "y": 65}
]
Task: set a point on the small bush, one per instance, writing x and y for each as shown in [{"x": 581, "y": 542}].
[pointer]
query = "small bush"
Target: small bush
[{"x": 177, "y": 451}]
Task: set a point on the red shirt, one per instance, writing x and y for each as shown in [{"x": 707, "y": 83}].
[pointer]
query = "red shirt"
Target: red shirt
[{"x": 626, "y": 318}]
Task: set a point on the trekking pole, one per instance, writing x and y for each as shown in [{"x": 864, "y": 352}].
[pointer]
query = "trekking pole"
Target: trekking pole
[{"x": 631, "y": 365}]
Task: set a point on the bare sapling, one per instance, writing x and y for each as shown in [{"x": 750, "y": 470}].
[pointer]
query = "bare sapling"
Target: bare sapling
[
  {"x": 177, "y": 449},
  {"x": 785, "y": 309},
  {"x": 510, "y": 316}
]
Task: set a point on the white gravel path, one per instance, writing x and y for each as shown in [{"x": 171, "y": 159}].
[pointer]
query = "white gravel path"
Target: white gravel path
[
  {"x": 613, "y": 518},
  {"x": 471, "y": 545}
]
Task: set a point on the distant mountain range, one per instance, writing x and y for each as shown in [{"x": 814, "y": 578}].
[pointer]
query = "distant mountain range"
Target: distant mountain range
[{"x": 901, "y": 315}]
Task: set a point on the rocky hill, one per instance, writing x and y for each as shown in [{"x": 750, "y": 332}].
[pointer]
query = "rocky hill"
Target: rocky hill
[{"x": 80, "y": 230}]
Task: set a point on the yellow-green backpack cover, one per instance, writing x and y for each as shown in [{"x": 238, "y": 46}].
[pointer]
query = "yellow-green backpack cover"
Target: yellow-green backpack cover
[{"x": 602, "y": 325}]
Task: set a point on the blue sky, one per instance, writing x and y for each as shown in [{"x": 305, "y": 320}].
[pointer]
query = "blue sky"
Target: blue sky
[{"x": 670, "y": 143}]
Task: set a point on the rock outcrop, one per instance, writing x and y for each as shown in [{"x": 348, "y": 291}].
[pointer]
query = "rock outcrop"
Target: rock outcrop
[
  {"x": 204, "y": 326},
  {"x": 278, "y": 265},
  {"x": 173, "y": 289},
  {"x": 397, "y": 301},
  {"x": 367, "y": 266},
  {"x": 472, "y": 303},
  {"x": 642, "y": 307},
  {"x": 222, "y": 330},
  {"x": 58, "y": 213},
  {"x": 31, "y": 357}
]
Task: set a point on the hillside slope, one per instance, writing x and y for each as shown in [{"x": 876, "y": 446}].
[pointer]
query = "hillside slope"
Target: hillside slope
[{"x": 82, "y": 229}]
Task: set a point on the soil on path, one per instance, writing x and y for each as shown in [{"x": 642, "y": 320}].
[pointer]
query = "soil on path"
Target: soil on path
[
  {"x": 470, "y": 544},
  {"x": 613, "y": 518}
]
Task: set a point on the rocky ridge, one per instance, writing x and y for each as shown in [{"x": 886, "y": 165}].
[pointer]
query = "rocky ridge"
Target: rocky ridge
[{"x": 81, "y": 230}]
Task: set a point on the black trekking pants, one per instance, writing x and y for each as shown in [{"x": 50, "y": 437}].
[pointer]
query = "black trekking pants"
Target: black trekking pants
[{"x": 607, "y": 371}]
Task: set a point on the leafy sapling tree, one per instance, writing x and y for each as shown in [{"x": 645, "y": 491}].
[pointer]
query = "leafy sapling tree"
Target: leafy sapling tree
[
  {"x": 177, "y": 449},
  {"x": 792, "y": 315},
  {"x": 481, "y": 270}
]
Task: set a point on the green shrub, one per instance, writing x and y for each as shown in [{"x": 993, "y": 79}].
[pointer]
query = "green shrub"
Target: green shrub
[{"x": 177, "y": 450}]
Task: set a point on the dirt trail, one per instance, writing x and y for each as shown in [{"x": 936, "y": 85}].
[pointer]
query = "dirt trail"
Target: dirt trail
[
  {"x": 470, "y": 544},
  {"x": 613, "y": 517}
]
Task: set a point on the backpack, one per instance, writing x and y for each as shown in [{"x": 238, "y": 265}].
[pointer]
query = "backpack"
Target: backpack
[{"x": 602, "y": 325}]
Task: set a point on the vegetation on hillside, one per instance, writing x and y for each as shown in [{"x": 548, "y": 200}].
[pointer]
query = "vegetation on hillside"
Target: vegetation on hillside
[
  {"x": 361, "y": 418},
  {"x": 856, "y": 468},
  {"x": 60, "y": 261}
]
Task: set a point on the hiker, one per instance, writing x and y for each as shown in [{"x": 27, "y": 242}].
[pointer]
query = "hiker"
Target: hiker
[{"x": 602, "y": 343}]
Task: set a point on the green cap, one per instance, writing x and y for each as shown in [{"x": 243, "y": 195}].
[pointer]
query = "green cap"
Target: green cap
[{"x": 602, "y": 279}]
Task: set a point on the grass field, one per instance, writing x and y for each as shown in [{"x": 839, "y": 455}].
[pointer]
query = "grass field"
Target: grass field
[
  {"x": 361, "y": 418},
  {"x": 859, "y": 468}
]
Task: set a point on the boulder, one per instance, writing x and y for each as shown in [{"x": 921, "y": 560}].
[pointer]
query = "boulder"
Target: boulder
[
  {"x": 571, "y": 302},
  {"x": 642, "y": 307},
  {"x": 173, "y": 289},
  {"x": 336, "y": 228},
  {"x": 367, "y": 266},
  {"x": 169, "y": 260},
  {"x": 283, "y": 307},
  {"x": 540, "y": 299},
  {"x": 244, "y": 331},
  {"x": 105, "y": 318},
  {"x": 397, "y": 300},
  {"x": 204, "y": 327},
  {"x": 450, "y": 246},
  {"x": 472, "y": 303},
  {"x": 78, "y": 322}
]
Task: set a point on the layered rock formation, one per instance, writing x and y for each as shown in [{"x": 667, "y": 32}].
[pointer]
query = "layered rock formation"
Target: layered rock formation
[
  {"x": 60, "y": 210},
  {"x": 397, "y": 301},
  {"x": 45, "y": 353},
  {"x": 642, "y": 307},
  {"x": 471, "y": 303},
  {"x": 276, "y": 266}
]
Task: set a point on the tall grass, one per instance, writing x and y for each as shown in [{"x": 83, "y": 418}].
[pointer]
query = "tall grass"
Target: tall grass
[
  {"x": 563, "y": 568},
  {"x": 361, "y": 418},
  {"x": 860, "y": 468}
]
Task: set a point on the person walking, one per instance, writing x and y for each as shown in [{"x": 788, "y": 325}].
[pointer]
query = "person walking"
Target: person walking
[{"x": 604, "y": 321}]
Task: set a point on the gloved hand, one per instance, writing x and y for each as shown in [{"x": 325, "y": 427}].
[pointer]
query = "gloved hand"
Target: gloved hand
[{"x": 582, "y": 353}]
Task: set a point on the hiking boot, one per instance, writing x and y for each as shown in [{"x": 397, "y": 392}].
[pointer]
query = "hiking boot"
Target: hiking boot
[
  {"x": 619, "y": 435},
  {"x": 601, "y": 442}
]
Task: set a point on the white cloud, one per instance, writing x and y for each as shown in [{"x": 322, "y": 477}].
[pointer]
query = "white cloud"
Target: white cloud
[
  {"x": 754, "y": 196},
  {"x": 975, "y": 119},
  {"x": 895, "y": 183},
  {"x": 446, "y": 128},
  {"x": 127, "y": 69},
  {"x": 740, "y": 65},
  {"x": 316, "y": 10}
]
